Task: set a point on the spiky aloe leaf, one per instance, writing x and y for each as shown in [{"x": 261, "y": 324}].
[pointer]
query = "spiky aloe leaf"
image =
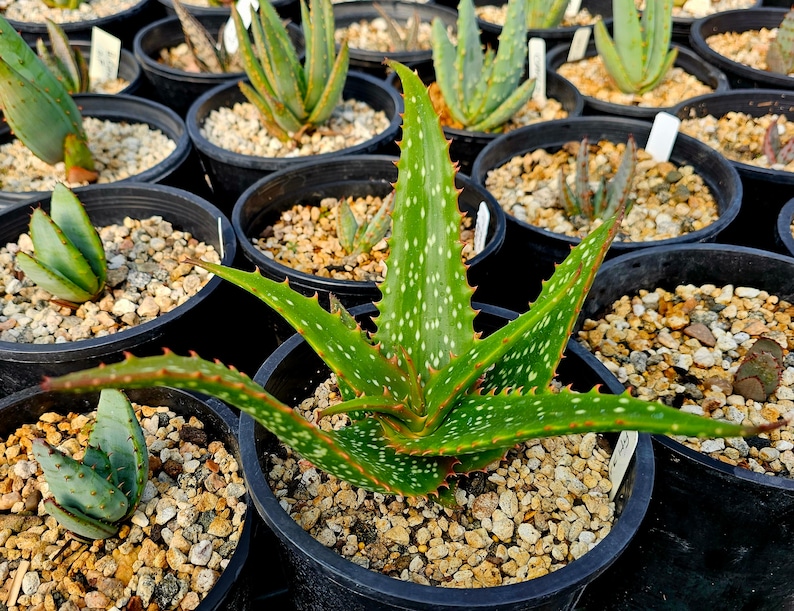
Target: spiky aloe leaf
[
  {"x": 80, "y": 524},
  {"x": 356, "y": 238},
  {"x": 65, "y": 62},
  {"x": 200, "y": 43},
  {"x": 542, "y": 14},
  {"x": 618, "y": 189},
  {"x": 358, "y": 454},
  {"x": 78, "y": 487}
]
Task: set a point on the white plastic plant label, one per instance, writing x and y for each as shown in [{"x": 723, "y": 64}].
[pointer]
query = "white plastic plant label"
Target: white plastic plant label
[
  {"x": 229, "y": 32},
  {"x": 481, "y": 227},
  {"x": 537, "y": 67},
  {"x": 578, "y": 48},
  {"x": 621, "y": 457},
  {"x": 661, "y": 140},
  {"x": 103, "y": 63},
  {"x": 573, "y": 8},
  {"x": 220, "y": 238}
]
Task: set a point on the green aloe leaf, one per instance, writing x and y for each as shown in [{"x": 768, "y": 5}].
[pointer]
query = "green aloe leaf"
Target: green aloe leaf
[{"x": 80, "y": 524}]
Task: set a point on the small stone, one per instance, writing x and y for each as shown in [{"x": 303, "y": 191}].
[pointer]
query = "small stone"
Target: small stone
[
  {"x": 701, "y": 333},
  {"x": 200, "y": 553},
  {"x": 484, "y": 505},
  {"x": 398, "y": 535}
]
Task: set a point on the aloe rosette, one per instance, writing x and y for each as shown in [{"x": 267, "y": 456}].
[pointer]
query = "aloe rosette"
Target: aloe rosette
[
  {"x": 482, "y": 90},
  {"x": 92, "y": 496},
  {"x": 638, "y": 55},
  {"x": 428, "y": 398},
  {"x": 39, "y": 109},
  {"x": 292, "y": 97}
]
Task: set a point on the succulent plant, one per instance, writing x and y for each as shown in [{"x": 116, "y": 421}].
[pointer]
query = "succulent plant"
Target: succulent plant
[
  {"x": 92, "y": 496},
  {"x": 542, "y": 14},
  {"x": 65, "y": 61},
  {"x": 775, "y": 151},
  {"x": 428, "y": 398},
  {"x": 482, "y": 90},
  {"x": 68, "y": 258},
  {"x": 402, "y": 37},
  {"x": 758, "y": 375},
  {"x": 355, "y": 237},
  {"x": 210, "y": 56},
  {"x": 64, "y": 4},
  {"x": 603, "y": 201},
  {"x": 637, "y": 55},
  {"x": 292, "y": 97},
  {"x": 780, "y": 53},
  {"x": 39, "y": 109}
]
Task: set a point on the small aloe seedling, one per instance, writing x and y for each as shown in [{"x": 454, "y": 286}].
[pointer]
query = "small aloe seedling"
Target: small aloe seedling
[
  {"x": 775, "y": 151},
  {"x": 65, "y": 61},
  {"x": 542, "y": 14},
  {"x": 428, "y": 398},
  {"x": 758, "y": 375},
  {"x": 39, "y": 109},
  {"x": 603, "y": 201},
  {"x": 292, "y": 97},
  {"x": 210, "y": 56},
  {"x": 68, "y": 258},
  {"x": 780, "y": 53},
  {"x": 403, "y": 37},
  {"x": 355, "y": 237},
  {"x": 638, "y": 55},
  {"x": 91, "y": 497},
  {"x": 482, "y": 90}
]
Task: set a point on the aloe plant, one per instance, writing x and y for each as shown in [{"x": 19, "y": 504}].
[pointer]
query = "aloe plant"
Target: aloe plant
[
  {"x": 91, "y": 497},
  {"x": 603, "y": 202},
  {"x": 39, "y": 109},
  {"x": 482, "y": 90},
  {"x": 292, "y": 97},
  {"x": 542, "y": 14},
  {"x": 638, "y": 55},
  {"x": 758, "y": 375},
  {"x": 428, "y": 398},
  {"x": 210, "y": 53},
  {"x": 68, "y": 257},
  {"x": 402, "y": 38},
  {"x": 775, "y": 151},
  {"x": 355, "y": 237},
  {"x": 65, "y": 61},
  {"x": 780, "y": 53}
]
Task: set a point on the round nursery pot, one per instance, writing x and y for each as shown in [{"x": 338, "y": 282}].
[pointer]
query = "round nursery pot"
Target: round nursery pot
[
  {"x": 371, "y": 62},
  {"x": 320, "y": 578},
  {"x": 683, "y": 25},
  {"x": 232, "y": 173},
  {"x": 354, "y": 175},
  {"x": 785, "y": 239},
  {"x": 542, "y": 249},
  {"x": 765, "y": 190},
  {"x": 489, "y": 31},
  {"x": 739, "y": 75},
  {"x": 123, "y": 24},
  {"x": 715, "y": 533},
  {"x": 232, "y": 589},
  {"x": 287, "y": 9},
  {"x": 686, "y": 60},
  {"x": 24, "y": 364},
  {"x": 178, "y": 169}
]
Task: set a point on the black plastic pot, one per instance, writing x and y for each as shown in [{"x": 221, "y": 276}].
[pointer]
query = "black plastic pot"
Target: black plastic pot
[
  {"x": 489, "y": 32},
  {"x": 22, "y": 365},
  {"x": 123, "y": 25},
  {"x": 178, "y": 169},
  {"x": 740, "y": 76},
  {"x": 785, "y": 240},
  {"x": 26, "y": 406},
  {"x": 683, "y": 25},
  {"x": 232, "y": 173},
  {"x": 321, "y": 579},
  {"x": 716, "y": 536},
  {"x": 357, "y": 176},
  {"x": 687, "y": 60},
  {"x": 764, "y": 190},
  {"x": 287, "y": 9},
  {"x": 371, "y": 62},
  {"x": 538, "y": 250}
]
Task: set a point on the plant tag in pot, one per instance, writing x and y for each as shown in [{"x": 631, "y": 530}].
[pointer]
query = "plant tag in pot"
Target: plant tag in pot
[
  {"x": 537, "y": 68},
  {"x": 621, "y": 457},
  {"x": 573, "y": 8},
  {"x": 662, "y": 137},
  {"x": 579, "y": 42},
  {"x": 103, "y": 64},
  {"x": 229, "y": 33},
  {"x": 481, "y": 227}
]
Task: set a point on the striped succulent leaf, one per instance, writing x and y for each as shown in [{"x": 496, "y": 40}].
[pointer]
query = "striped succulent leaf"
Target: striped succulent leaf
[
  {"x": 638, "y": 55},
  {"x": 39, "y": 109},
  {"x": 482, "y": 90},
  {"x": 92, "y": 496},
  {"x": 63, "y": 60},
  {"x": 427, "y": 398},
  {"x": 201, "y": 44}
]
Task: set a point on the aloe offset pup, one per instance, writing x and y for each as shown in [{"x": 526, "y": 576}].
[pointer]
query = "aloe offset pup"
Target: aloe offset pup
[
  {"x": 92, "y": 496},
  {"x": 428, "y": 398},
  {"x": 39, "y": 109}
]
